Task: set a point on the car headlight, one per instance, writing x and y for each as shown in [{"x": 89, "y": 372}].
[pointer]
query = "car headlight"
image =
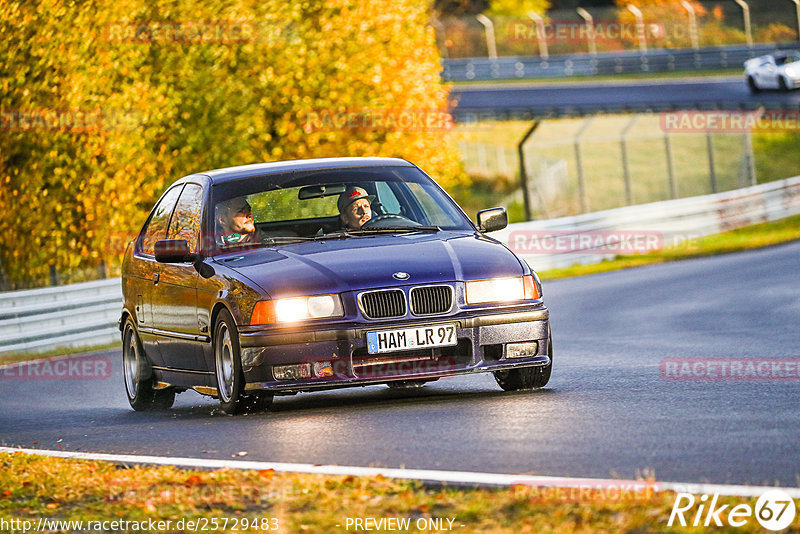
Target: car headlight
[
  {"x": 501, "y": 290},
  {"x": 293, "y": 309}
]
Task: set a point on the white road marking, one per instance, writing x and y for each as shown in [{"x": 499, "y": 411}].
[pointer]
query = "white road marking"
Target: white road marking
[{"x": 452, "y": 477}]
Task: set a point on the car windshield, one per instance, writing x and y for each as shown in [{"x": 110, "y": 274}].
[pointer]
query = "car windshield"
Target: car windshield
[{"x": 330, "y": 204}]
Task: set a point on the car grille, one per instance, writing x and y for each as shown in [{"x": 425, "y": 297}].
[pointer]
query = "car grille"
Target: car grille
[
  {"x": 431, "y": 300},
  {"x": 383, "y": 304}
]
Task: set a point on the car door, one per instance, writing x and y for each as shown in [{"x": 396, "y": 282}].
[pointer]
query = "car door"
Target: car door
[
  {"x": 767, "y": 74},
  {"x": 146, "y": 272},
  {"x": 175, "y": 296}
]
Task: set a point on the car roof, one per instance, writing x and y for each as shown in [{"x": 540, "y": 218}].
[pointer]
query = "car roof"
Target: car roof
[{"x": 218, "y": 176}]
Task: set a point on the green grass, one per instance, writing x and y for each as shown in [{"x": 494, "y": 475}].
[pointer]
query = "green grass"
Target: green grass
[
  {"x": 777, "y": 155},
  {"x": 750, "y": 237},
  {"x": 34, "y": 487}
]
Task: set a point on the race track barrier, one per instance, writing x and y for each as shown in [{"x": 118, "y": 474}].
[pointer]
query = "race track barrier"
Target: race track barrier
[
  {"x": 605, "y": 64},
  {"x": 77, "y": 315},
  {"x": 598, "y": 236},
  {"x": 86, "y": 314}
]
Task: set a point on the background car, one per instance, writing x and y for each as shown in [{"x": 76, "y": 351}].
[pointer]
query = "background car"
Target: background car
[
  {"x": 291, "y": 300},
  {"x": 773, "y": 71}
]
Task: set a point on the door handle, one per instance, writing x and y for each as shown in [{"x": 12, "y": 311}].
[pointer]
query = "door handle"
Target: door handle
[{"x": 155, "y": 278}]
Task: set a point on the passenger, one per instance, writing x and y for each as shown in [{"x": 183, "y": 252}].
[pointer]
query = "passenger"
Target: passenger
[
  {"x": 235, "y": 220},
  {"x": 355, "y": 207}
]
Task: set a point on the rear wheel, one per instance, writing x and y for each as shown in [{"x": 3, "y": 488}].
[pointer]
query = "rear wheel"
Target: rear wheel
[
  {"x": 228, "y": 370},
  {"x": 527, "y": 377},
  {"x": 139, "y": 380},
  {"x": 751, "y": 83}
]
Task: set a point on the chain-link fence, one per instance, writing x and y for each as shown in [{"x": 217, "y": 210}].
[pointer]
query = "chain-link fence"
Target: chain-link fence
[{"x": 594, "y": 163}]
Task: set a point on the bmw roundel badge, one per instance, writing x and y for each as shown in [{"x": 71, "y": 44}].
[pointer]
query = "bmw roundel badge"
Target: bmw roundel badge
[{"x": 400, "y": 275}]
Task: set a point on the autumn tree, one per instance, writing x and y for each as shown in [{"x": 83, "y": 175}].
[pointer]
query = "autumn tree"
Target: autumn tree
[{"x": 104, "y": 104}]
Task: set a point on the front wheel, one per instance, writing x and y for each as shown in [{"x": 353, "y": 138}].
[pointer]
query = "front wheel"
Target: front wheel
[
  {"x": 139, "y": 380},
  {"x": 782, "y": 84},
  {"x": 527, "y": 377},
  {"x": 751, "y": 83},
  {"x": 229, "y": 374}
]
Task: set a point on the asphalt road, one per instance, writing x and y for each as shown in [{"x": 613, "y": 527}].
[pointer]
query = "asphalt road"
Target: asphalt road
[
  {"x": 607, "y": 412},
  {"x": 729, "y": 93}
]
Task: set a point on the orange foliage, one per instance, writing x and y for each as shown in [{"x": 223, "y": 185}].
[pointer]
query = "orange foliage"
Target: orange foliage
[{"x": 104, "y": 104}]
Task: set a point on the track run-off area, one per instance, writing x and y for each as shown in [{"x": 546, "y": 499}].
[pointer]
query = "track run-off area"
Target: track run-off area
[{"x": 620, "y": 405}]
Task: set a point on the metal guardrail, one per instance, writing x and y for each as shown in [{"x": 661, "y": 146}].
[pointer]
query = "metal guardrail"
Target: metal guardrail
[
  {"x": 670, "y": 222},
  {"x": 77, "y": 315},
  {"x": 86, "y": 314},
  {"x": 628, "y": 62}
]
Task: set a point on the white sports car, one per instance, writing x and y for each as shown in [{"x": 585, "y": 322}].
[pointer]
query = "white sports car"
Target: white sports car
[{"x": 780, "y": 70}]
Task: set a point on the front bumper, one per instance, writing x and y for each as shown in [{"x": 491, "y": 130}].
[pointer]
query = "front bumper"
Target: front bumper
[{"x": 481, "y": 347}]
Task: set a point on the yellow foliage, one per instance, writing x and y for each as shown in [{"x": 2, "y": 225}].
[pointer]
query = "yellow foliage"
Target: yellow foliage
[{"x": 104, "y": 104}]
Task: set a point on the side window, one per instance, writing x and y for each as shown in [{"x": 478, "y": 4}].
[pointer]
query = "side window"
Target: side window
[
  {"x": 186, "y": 219},
  {"x": 387, "y": 198},
  {"x": 157, "y": 226},
  {"x": 434, "y": 211}
]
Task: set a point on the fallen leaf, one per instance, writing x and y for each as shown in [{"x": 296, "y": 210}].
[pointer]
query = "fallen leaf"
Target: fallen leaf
[
  {"x": 52, "y": 505},
  {"x": 240, "y": 453},
  {"x": 266, "y": 474},
  {"x": 194, "y": 480}
]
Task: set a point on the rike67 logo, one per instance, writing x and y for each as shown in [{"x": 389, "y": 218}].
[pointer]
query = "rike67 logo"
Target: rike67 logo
[{"x": 774, "y": 510}]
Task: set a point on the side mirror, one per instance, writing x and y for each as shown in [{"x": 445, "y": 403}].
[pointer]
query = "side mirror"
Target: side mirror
[
  {"x": 173, "y": 251},
  {"x": 492, "y": 219}
]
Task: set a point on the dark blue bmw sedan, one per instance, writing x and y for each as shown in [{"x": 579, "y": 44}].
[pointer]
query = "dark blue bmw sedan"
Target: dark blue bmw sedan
[{"x": 296, "y": 276}]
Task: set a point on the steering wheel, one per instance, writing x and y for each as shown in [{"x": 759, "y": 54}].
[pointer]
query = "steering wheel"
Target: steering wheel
[{"x": 389, "y": 220}]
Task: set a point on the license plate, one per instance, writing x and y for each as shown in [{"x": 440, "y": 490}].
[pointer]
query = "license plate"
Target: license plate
[{"x": 419, "y": 337}]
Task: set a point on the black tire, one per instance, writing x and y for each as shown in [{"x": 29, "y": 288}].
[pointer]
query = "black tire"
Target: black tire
[
  {"x": 527, "y": 377},
  {"x": 228, "y": 371},
  {"x": 138, "y": 375},
  {"x": 751, "y": 83},
  {"x": 782, "y": 85}
]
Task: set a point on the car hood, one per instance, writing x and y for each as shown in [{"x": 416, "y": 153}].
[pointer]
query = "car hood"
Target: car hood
[{"x": 357, "y": 263}]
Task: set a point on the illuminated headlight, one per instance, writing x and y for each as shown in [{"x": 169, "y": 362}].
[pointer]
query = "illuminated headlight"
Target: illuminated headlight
[
  {"x": 501, "y": 290},
  {"x": 293, "y": 309}
]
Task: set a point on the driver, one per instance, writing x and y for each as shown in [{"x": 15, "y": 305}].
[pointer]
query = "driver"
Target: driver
[
  {"x": 355, "y": 207},
  {"x": 235, "y": 221}
]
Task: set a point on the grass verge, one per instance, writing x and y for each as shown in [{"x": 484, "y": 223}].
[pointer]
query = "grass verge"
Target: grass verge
[
  {"x": 749, "y": 237},
  {"x": 34, "y": 487}
]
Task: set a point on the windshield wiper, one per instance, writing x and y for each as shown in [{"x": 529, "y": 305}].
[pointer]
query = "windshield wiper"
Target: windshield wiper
[
  {"x": 395, "y": 229},
  {"x": 342, "y": 234}
]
